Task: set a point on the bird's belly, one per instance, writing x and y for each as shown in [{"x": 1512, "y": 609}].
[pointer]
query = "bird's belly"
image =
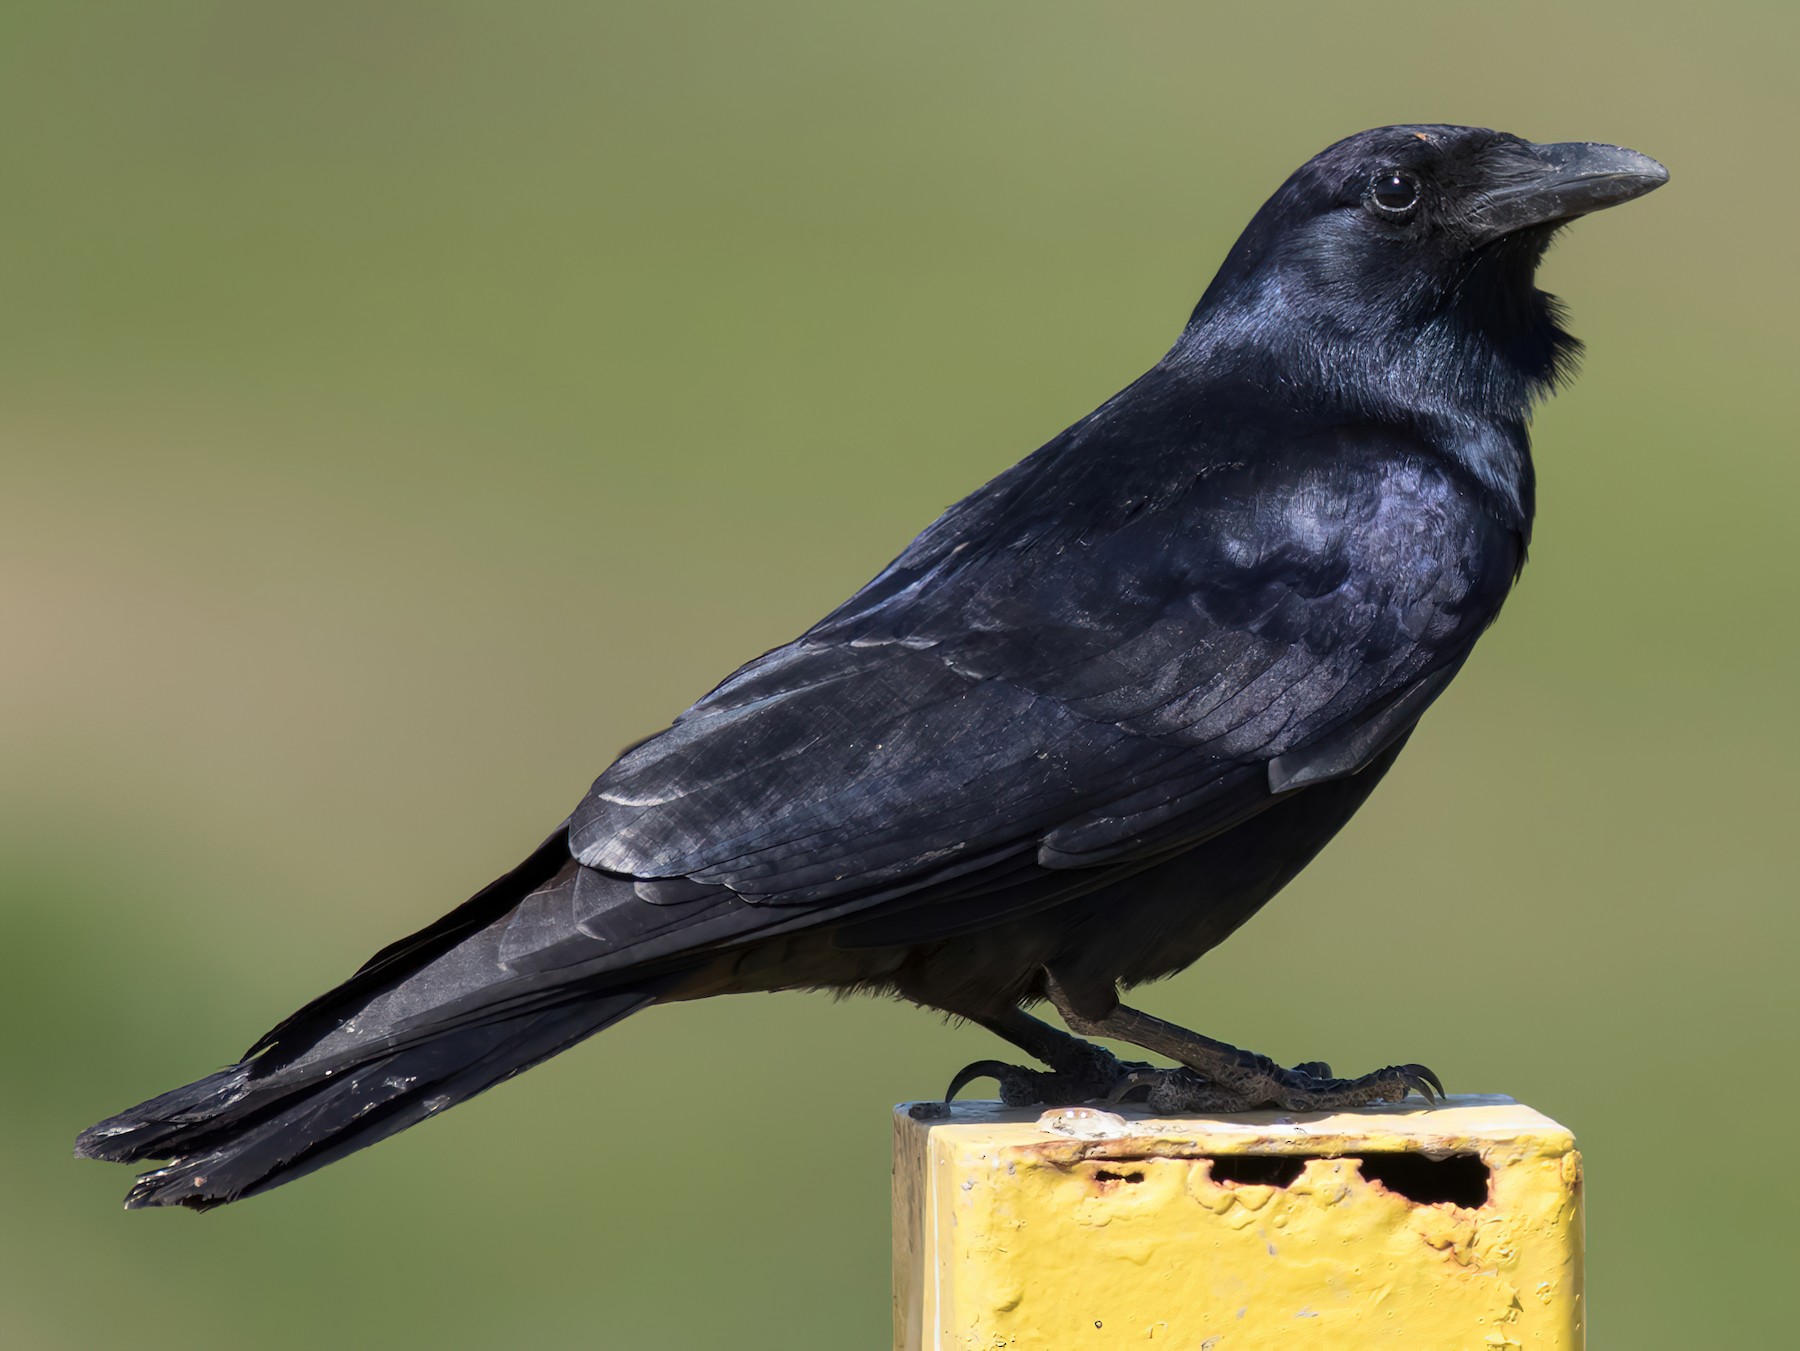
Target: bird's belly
[{"x": 1151, "y": 924}]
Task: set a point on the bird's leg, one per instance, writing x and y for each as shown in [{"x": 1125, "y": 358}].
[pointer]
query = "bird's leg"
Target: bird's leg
[
  {"x": 1218, "y": 1077},
  {"x": 1079, "y": 1071}
]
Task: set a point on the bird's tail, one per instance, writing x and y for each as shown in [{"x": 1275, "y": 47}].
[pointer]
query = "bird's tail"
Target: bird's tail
[
  {"x": 233, "y": 1134},
  {"x": 426, "y": 1024}
]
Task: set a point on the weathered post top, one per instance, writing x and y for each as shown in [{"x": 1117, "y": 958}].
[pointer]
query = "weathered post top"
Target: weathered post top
[{"x": 1401, "y": 1227}]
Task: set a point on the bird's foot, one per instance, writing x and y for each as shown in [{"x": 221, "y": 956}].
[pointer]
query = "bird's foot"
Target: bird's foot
[
  {"x": 1089, "y": 1075},
  {"x": 1258, "y": 1082}
]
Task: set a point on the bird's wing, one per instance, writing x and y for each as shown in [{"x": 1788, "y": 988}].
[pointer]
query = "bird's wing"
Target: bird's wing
[
  {"x": 1080, "y": 661},
  {"x": 1092, "y": 663}
]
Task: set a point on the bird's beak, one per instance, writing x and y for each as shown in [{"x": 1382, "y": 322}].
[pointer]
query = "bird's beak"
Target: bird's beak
[{"x": 1545, "y": 184}]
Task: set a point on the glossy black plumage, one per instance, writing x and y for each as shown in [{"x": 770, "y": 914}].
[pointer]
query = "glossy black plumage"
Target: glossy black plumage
[{"x": 1084, "y": 726}]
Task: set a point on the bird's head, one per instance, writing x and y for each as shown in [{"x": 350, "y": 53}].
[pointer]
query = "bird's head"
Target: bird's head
[{"x": 1413, "y": 249}]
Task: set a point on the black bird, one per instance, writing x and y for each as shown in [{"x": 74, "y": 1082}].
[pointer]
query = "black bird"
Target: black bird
[{"x": 1086, "y": 724}]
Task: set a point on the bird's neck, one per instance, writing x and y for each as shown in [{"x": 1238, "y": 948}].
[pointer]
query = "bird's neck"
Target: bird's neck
[{"x": 1461, "y": 376}]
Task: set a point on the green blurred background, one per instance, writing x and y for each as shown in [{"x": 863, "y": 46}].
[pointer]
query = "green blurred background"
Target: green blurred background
[{"x": 405, "y": 405}]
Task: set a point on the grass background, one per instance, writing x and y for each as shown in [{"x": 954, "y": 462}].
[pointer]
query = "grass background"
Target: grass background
[{"x": 405, "y": 405}]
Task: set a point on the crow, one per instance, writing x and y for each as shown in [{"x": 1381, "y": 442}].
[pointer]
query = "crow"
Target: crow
[{"x": 1078, "y": 732}]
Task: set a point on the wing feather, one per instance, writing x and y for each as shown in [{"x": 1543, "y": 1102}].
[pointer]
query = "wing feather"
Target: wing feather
[{"x": 1080, "y": 691}]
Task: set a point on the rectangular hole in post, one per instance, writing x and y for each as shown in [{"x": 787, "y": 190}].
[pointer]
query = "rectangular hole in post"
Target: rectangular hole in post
[
  {"x": 1459, "y": 1179},
  {"x": 1257, "y": 1170}
]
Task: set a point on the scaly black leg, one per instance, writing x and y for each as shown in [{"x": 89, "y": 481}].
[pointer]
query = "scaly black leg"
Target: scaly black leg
[
  {"x": 1219, "y": 1077},
  {"x": 1079, "y": 1070}
]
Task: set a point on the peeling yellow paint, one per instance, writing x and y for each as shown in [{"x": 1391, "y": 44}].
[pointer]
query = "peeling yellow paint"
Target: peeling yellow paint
[{"x": 1087, "y": 1229}]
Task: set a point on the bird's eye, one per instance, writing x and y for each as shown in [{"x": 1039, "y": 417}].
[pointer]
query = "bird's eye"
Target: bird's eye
[{"x": 1394, "y": 193}]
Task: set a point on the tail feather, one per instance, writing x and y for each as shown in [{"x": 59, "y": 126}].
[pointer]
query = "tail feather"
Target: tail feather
[
  {"x": 428, "y": 1022},
  {"x": 398, "y": 960},
  {"x": 235, "y": 1133}
]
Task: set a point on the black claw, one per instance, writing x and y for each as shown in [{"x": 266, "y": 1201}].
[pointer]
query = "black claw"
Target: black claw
[
  {"x": 981, "y": 1069},
  {"x": 1420, "y": 1080},
  {"x": 1085, "y": 1078}
]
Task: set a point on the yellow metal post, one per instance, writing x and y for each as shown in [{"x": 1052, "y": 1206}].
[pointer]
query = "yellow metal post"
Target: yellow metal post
[{"x": 1403, "y": 1227}]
